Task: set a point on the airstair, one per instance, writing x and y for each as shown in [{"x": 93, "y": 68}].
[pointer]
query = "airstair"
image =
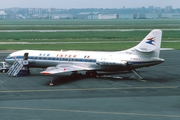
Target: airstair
[
  {"x": 15, "y": 68},
  {"x": 19, "y": 64}
]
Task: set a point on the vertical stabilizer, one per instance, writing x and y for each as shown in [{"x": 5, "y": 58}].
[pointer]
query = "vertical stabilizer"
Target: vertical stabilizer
[{"x": 151, "y": 43}]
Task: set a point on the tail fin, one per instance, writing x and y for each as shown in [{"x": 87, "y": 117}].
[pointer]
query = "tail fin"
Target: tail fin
[{"x": 151, "y": 43}]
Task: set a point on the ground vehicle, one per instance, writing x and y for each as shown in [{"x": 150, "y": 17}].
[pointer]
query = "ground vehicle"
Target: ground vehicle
[{"x": 4, "y": 67}]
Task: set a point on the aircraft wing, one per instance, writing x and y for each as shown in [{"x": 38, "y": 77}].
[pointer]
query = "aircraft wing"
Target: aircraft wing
[{"x": 63, "y": 69}]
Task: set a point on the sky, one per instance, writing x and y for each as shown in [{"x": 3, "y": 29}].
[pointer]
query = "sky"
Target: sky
[{"x": 87, "y": 3}]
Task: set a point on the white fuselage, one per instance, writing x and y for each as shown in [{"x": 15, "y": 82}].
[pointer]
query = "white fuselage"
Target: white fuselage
[
  {"x": 144, "y": 54},
  {"x": 99, "y": 61}
]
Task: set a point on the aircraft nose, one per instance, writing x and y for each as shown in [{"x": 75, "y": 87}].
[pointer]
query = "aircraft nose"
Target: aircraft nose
[{"x": 6, "y": 60}]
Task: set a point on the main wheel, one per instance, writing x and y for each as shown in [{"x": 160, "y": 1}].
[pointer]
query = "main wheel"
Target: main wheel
[
  {"x": 91, "y": 73},
  {"x": 76, "y": 75}
]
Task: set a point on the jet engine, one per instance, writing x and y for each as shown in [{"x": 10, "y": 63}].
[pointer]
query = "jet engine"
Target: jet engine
[{"x": 105, "y": 61}]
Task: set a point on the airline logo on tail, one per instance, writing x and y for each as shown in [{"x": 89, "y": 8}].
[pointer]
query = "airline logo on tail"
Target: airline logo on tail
[{"x": 151, "y": 41}]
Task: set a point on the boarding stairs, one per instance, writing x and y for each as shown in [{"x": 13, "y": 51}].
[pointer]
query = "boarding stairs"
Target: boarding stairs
[{"x": 16, "y": 67}]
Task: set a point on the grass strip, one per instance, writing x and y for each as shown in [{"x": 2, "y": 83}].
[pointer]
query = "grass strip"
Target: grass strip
[
  {"x": 85, "y": 46},
  {"x": 83, "y": 36}
]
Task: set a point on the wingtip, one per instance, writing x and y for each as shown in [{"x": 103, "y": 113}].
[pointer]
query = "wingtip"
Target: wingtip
[{"x": 45, "y": 73}]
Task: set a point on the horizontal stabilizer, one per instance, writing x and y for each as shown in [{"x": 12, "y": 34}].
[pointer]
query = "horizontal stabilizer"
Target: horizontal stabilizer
[{"x": 144, "y": 49}]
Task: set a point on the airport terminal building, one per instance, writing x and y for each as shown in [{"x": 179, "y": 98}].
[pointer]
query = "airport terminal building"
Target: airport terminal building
[
  {"x": 3, "y": 15},
  {"x": 53, "y": 13}
]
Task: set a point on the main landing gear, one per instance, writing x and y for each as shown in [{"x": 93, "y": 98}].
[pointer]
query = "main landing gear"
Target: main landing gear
[
  {"x": 51, "y": 83},
  {"x": 76, "y": 75},
  {"x": 88, "y": 74},
  {"x": 91, "y": 73}
]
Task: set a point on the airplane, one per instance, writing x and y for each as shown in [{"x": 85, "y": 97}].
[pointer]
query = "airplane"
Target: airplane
[{"x": 144, "y": 54}]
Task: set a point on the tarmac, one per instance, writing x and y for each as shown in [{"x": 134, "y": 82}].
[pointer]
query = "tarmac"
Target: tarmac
[{"x": 117, "y": 96}]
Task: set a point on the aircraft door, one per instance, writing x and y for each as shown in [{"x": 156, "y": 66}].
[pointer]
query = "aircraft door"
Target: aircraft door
[
  {"x": 25, "y": 59},
  {"x": 25, "y": 56}
]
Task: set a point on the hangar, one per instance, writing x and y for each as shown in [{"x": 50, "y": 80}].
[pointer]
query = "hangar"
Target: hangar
[{"x": 3, "y": 15}]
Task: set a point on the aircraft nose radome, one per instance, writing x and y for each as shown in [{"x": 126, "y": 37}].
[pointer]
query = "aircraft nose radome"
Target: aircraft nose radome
[{"x": 5, "y": 60}]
